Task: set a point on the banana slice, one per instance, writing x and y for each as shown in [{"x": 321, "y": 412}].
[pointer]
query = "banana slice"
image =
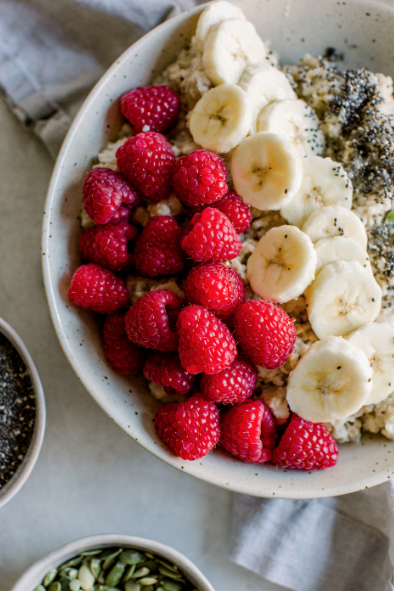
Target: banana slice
[
  {"x": 331, "y": 381},
  {"x": 230, "y": 46},
  {"x": 340, "y": 248},
  {"x": 331, "y": 221},
  {"x": 282, "y": 265},
  {"x": 295, "y": 121},
  {"x": 377, "y": 342},
  {"x": 221, "y": 118},
  {"x": 343, "y": 297},
  {"x": 213, "y": 14},
  {"x": 263, "y": 84},
  {"x": 324, "y": 183},
  {"x": 266, "y": 170}
]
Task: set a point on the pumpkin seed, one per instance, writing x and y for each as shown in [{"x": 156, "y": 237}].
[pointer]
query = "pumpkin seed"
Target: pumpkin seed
[
  {"x": 151, "y": 564},
  {"x": 64, "y": 582},
  {"x": 149, "y": 555},
  {"x": 129, "y": 573},
  {"x": 75, "y": 585},
  {"x": 113, "y": 589},
  {"x": 99, "y": 587},
  {"x": 147, "y": 581},
  {"x": 171, "y": 585},
  {"x": 73, "y": 562},
  {"x": 168, "y": 565},
  {"x": 55, "y": 586},
  {"x": 149, "y": 588},
  {"x": 101, "y": 578},
  {"x": 40, "y": 588},
  {"x": 132, "y": 586},
  {"x": 49, "y": 577},
  {"x": 85, "y": 577},
  {"x": 131, "y": 557},
  {"x": 141, "y": 572},
  {"x": 95, "y": 567},
  {"x": 110, "y": 553},
  {"x": 169, "y": 573},
  {"x": 115, "y": 574},
  {"x": 91, "y": 552},
  {"x": 160, "y": 589}
]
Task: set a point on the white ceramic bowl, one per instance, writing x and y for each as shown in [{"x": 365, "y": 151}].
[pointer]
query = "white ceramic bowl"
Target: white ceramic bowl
[
  {"x": 362, "y": 30},
  {"x": 21, "y": 475},
  {"x": 35, "y": 574}
]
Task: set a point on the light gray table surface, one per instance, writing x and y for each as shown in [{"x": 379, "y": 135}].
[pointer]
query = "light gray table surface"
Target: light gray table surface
[{"x": 90, "y": 477}]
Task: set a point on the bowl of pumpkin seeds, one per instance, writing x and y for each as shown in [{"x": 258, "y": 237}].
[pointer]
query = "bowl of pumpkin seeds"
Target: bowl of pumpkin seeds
[{"x": 111, "y": 562}]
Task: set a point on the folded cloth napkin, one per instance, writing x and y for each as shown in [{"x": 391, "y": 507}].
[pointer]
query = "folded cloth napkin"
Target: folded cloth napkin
[{"x": 51, "y": 54}]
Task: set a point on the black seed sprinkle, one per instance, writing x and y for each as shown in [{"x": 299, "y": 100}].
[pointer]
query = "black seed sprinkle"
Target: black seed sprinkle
[{"x": 17, "y": 410}]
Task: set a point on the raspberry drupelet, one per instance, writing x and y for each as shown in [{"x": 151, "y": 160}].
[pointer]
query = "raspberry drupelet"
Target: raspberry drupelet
[
  {"x": 205, "y": 343},
  {"x": 124, "y": 356},
  {"x": 265, "y": 332},
  {"x": 147, "y": 161},
  {"x": 98, "y": 289},
  {"x": 151, "y": 108},
  {"x": 306, "y": 446},
  {"x": 109, "y": 245},
  {"x": 218, "y": 288},
  {"x": 210, "y": 237},
  {"x": 165, "y": 369},
  {"x": 103, "y": 193},
  {"x": 158, "y": 249},
  {"x": 236, "y": 210},
  {"x": 148, "y": 320},
  {"x": 233, "y": 384},
  {"x": 200, "y": 177},
  {"x": 190, "y": 428}
]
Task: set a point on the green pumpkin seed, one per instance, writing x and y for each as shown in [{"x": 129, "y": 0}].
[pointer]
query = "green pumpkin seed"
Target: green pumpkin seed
[
  {"x": 170, "y": 573},
  {"x": 75, "y": 585},
  {"x": 101, "y": 578},
  {"x": 149, "y": 555},
  {"x": 85, "y": 577},
  {"x": 168, "y": 565},
  {"x": 131, "y": 557},
  {"x": 49, "y": 577},
  {"x": 55, "y": 586},
  {"x": 95, "y": 566},
  {"x": 151, "y": 564},
  {"x": 113, "y": 589},
  {"x": 115, "y": 574},
  {"x": 132, "y": 586},
  {"x": 110, "y": 553},
  {"x": 147, "y": 581},
  {"x": 141, "y": 572},
  {"x": 64, "y": 583},
  {"x": 171, "y": 585},
  {"x": 91, "y": 552},
  {"x": 97, "y": 587},
  {"x": 129, "y": 573},
  {"x": 160, "y": 589},
  {"x": 40, "y": 588},
  {"x": 73, "y": 562},
  {"x": 148, "y": 588}
]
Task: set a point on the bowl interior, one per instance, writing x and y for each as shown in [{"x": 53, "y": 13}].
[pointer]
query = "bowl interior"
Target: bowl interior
[
  {"x": 27, "y": 464},
  {"x": 359, "y": 29},
  {"x": 34, "y": 575}
]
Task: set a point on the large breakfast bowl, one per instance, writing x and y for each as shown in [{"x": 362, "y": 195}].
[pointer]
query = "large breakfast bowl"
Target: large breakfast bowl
[{"x": 362, "y": 30}]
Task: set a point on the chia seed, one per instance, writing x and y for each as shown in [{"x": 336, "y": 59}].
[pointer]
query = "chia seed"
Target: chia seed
[{"x": 17, "y": 410}]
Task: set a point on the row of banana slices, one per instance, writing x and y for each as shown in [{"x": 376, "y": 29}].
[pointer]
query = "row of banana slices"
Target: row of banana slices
[{"x": 275, "y": 145}]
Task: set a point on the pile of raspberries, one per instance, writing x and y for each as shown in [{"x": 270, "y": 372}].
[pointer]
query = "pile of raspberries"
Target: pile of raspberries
[{"x": 203, "y": 348}]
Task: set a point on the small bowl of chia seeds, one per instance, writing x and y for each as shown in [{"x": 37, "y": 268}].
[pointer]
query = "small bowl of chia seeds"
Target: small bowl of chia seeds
[
  {"x": 22, "y": 413},
  {"x": 111, "y": 562}
]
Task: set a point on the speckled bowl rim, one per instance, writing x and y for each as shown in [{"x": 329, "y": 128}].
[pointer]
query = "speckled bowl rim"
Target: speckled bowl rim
[
  {"x": 10, "y": 489},
  {"x": 229, "y": 475},
  {"x": 35, "y": 573}
]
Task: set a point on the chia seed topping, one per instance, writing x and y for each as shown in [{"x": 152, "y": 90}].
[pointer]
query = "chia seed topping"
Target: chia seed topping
[{"x": 17, "y": 410}]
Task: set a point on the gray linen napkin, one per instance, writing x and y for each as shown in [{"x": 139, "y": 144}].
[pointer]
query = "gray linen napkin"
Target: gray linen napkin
[{"x": 51, "y": 54}]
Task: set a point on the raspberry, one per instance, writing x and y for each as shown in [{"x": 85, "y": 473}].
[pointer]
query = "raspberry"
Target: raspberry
[
  {"x": 108, "y": 245},
  {"x": 231, "y": 385},
  {"x": 306, "y": 446},
  {"x": 218, "y": 288},
  {"x": 124, "y": 212},
  {"x": 103, "y": 192},
  {"x": 265, "y": 332},
  {"x": 200, "y": 177},
  {"x": 205, "y": 343},
  {"x": 210, "y": 236},
  {"x": 147, "y": 321},
  {"x": 190, "y": 428},
  {"x": 98, "y": 289},
  {"x": 158, "y": 249},
  {"x": 236, "y": 210},
  {"x": 151, "y": 108},
  {"x": 123, "y": 356},
  {"x": 147, "y": 160},
  {"x": 165, "y": 369},
  {"x": 248, "y": 432}
]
